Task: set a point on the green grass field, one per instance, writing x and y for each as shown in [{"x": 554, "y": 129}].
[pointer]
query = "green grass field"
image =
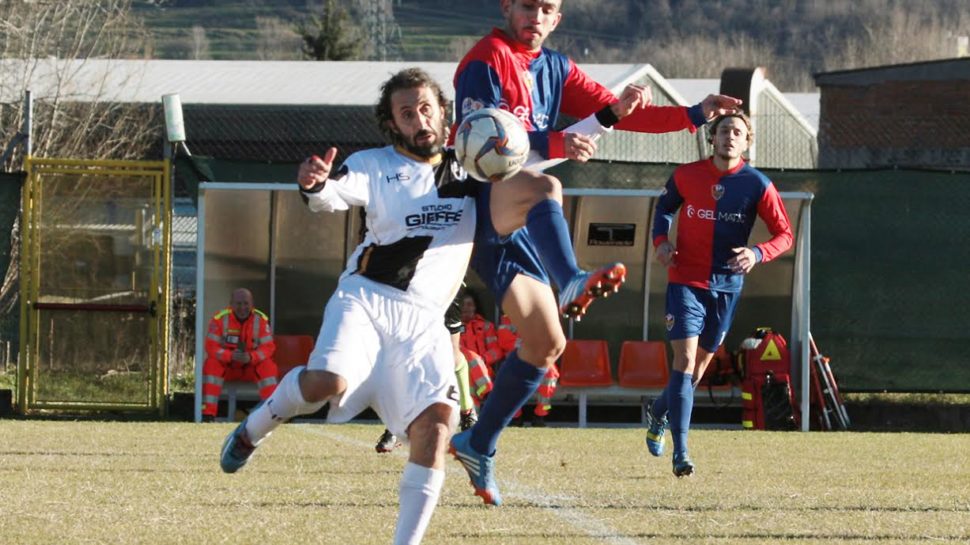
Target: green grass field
[{"x": 110, "y": 482}]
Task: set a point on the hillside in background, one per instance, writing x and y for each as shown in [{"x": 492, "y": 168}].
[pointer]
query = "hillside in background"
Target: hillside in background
[{"x": 681, "y": 38}]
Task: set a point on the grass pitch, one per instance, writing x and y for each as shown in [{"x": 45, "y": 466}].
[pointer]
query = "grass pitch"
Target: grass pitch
[{"x": 111, "y": 482}]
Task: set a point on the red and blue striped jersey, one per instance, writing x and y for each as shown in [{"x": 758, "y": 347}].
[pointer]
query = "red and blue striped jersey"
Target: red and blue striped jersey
[
  {"x": 717, "y": 213},
  {"x": 537, "y": 86}
]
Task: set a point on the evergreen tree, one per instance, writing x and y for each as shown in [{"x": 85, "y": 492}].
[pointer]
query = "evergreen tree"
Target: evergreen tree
[{"x": 331, "y": 36}]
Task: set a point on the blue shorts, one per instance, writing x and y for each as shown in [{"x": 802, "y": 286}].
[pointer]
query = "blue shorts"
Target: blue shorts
[
  {"x": 498, "y": 259},
  {"x": 698, "y": 312}
]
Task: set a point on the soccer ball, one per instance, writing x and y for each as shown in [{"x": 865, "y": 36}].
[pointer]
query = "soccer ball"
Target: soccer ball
[{"x": 491, "y": 144}]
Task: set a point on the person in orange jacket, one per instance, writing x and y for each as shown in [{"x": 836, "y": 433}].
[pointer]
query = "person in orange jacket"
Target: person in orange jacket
[
  {"x": 239, "y": 346},
  {"x": 479, "y": 343},
  {"x": 480, "y": 335},
  {"x": 508, "y": 340}
]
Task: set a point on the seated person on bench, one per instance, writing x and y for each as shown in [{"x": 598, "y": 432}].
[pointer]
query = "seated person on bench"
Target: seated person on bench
[{"x": 239, "y": 347}]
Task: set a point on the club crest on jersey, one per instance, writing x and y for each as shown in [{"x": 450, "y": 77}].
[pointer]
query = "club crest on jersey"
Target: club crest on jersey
[
  {"x": 669, "y": 318},
  {"x": 527, "y": 79},
  {"x": 717, "y": 191}
]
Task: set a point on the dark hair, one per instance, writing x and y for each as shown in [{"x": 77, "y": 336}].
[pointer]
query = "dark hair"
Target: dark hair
[
  {"x": 471, "y": 294},
  {"x": 712, "y": 128},
  {"x": 408, "y": 78}
]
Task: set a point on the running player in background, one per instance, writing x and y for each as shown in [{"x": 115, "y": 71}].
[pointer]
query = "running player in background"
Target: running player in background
[
  {"x": 522, "y": 243},
  {"x": 382, "y": 343},
  {"x": 718, "y": 199}
]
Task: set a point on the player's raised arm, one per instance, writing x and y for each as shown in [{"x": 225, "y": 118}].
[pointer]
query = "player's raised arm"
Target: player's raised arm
[
  {"x": 633, "y": 97},
  {"x": 315, "y": 170},
  {"x": 717, "y": 105}
]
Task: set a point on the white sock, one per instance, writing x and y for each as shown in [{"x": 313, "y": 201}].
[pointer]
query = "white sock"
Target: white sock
[
  {"x": 285, "y": 403},
  {"x": 418, "y": 494}
]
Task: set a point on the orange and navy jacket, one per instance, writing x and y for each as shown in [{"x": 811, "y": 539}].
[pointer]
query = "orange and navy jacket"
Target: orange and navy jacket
[
  {"x": 480, "y": 337},
  {"x": 508, "y": 337},
  {"x": 536, "y": 86},
  {"x": 717, "y": 213},
  {"x": 226, "y": 333}
]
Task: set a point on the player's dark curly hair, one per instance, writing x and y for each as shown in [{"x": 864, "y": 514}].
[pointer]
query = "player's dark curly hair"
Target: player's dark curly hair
[
  {"x": 408, "y": 78},
  {"x": 712, "y": 128}
]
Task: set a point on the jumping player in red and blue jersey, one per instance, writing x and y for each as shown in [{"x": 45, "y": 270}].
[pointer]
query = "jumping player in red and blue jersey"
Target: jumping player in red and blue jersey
[
  {"x": 718, "y": 199},
  {"x": 522, "y": 242}
]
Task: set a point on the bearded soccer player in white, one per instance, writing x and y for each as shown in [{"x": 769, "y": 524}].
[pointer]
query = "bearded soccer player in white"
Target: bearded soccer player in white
[{"x": 382, "y": 343}]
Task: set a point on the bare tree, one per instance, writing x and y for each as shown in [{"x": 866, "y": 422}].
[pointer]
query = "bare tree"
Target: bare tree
[
  {"x": 276, "y": 40},
  {"x": 49, "y": 49},
  {"x": 200, "y": 44}
]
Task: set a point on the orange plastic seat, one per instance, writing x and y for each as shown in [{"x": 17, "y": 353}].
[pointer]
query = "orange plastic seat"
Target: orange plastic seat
[
  {"x": 585, "y": 363},
  {"x": 643, "y": 364},
  {"x": 291, "y": 351}
]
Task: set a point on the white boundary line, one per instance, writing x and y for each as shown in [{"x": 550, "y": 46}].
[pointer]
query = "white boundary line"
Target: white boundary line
[{"x": 593, "y": 527}]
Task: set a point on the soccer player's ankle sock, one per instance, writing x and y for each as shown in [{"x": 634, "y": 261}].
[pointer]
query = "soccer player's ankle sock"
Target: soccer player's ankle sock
[
  {"x": 549, "y": 232},
  {"x": 661, "y": 403},
  {"x": 465, "y": 402},
  {"x": 681, "y": 403},
  {"x": 285, "y": 403},
  {"x": 515, "y": 383},
  {"x": 418, "y": 495},
  {"x": 659, "y": 406}
]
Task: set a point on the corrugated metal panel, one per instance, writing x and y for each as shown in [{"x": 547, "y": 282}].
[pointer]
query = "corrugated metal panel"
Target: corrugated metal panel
[{"x": 231, "y": 82}]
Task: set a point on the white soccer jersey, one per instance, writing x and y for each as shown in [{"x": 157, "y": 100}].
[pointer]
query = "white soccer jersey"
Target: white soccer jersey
[{"x": 420, "y": 221}]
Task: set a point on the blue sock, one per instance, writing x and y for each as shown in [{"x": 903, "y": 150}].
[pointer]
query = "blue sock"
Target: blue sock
[
  {"x": 662, "y": 402},
  {"x": 659, "y": 406},
  {"x": 549, "y": 232},
  {"x": 515, "y": 384},
  {"x": 681, "y": 403}
]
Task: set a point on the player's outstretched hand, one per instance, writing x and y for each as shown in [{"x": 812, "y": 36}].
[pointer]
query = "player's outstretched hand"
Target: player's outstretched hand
[
  {"x": 743, "y": 261},
  {"x": 579, "y": 147},
  {"x": 715, "y": 105},
  {"x": 633, "y": 97},
  {"x": 315, "y": 170}
]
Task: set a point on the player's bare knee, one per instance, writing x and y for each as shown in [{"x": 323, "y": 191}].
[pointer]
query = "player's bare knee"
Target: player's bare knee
[
  {"x": 542, "y": 351},
  {"x": 317, "y": 386},
  {"x": 428, "y": 435},
  {"x": 548, "y": 187}
]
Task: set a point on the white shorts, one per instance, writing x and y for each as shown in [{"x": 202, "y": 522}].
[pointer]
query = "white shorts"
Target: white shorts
[{"x": 396, "y": 356}]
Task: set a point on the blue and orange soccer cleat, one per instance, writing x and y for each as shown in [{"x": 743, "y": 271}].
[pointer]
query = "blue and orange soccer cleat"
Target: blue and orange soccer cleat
[
  {"x": 237, "y": 449},
  {"x": 656, "y": 427},
  {"x": 480, "y": 468},
  {"x": 683, "y": 467},
  {"x": 585, "y": 287}
]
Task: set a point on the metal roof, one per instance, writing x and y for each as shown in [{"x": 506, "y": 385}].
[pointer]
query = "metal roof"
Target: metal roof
[
  {"x": 938, "y": 70},
  {"x": 232, "y": 82},
  {"x": 333, "y": 83}
]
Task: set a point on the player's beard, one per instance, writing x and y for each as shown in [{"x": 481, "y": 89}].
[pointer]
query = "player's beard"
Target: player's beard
[{"x": 425, "y": 151}]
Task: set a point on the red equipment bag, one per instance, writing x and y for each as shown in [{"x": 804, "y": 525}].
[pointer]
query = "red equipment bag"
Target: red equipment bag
[
  {"x": 764, "y": 351},
  {"x": 767, "y": 398}
]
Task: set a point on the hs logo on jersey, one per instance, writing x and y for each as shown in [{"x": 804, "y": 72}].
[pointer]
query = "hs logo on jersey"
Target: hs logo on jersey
[{"x": 398, "y": 177}]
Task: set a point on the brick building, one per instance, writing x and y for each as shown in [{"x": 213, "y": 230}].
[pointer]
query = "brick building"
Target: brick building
[{"x": 905, "y": 115}]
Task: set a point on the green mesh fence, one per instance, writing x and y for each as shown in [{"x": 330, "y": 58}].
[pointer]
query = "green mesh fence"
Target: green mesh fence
[{"x": 890, "y": 265}]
